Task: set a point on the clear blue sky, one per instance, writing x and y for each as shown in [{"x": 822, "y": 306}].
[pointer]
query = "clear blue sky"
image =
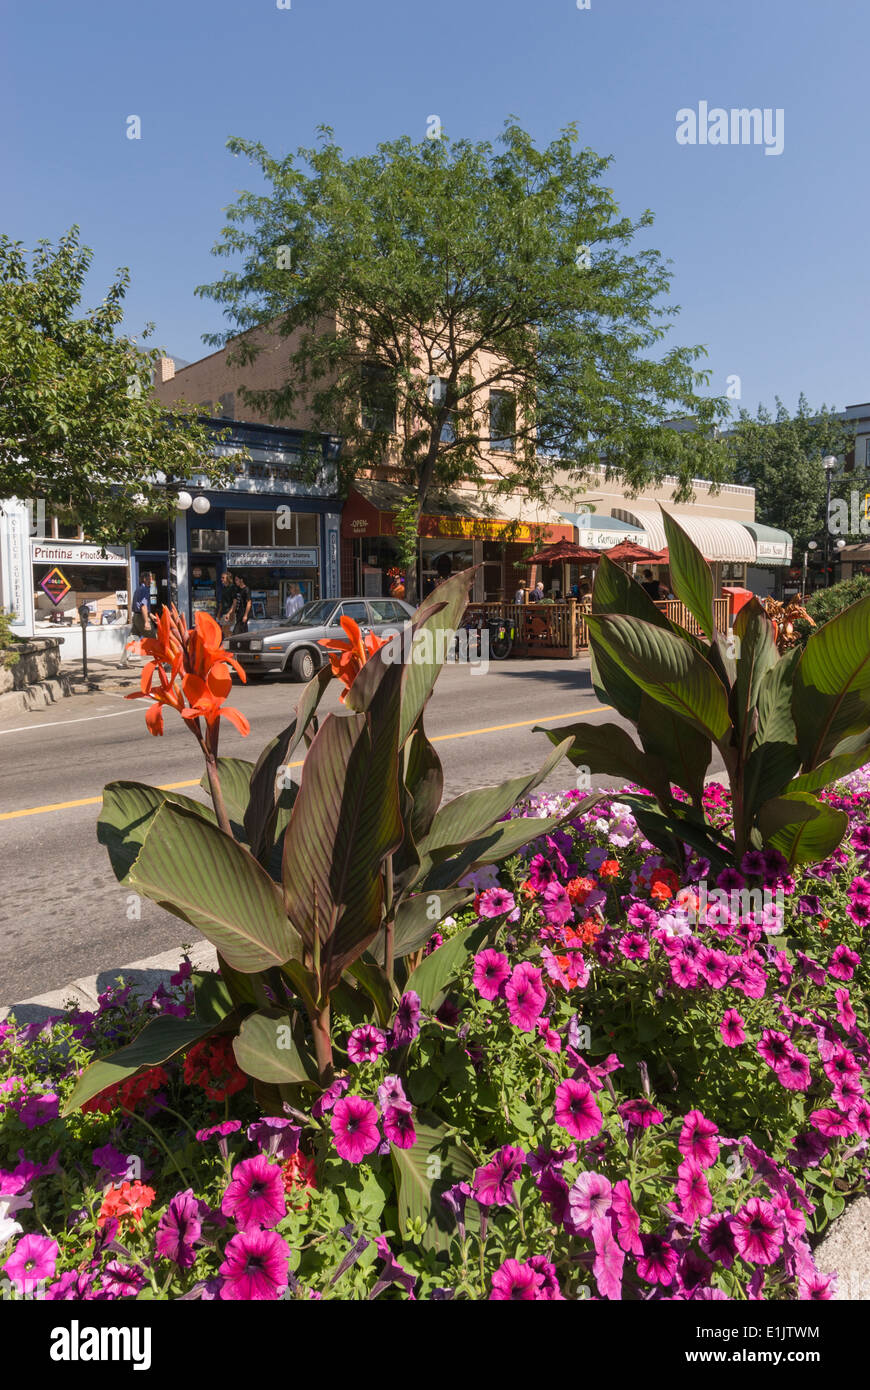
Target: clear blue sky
[{"x": 771, "y": 254}]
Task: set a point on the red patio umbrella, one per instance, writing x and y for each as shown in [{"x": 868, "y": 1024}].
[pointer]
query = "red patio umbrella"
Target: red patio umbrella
[
  {"x": 563, "y": 550},
  {"x": 628, "y": 550}
]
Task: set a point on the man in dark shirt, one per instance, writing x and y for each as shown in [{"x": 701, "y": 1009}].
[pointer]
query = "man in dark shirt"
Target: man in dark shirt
[
  {"x": 226, "y": 599},
  {"x": 141, "y": 606},
  {"x": 243, "y": 604},
  {"x": 652, "y": 586}
]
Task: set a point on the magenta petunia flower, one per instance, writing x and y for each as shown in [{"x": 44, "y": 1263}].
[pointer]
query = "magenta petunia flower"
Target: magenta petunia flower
[
  {"x": 753, "y": 863},
  {"x": 732, "y": 1028},
  {"x": 758, "y": 1232},
  {"x": 831, "y": 1123},
  {"x": 39, "y": 1109},
  {"x": 714, "y": 967},
  {"x": 730, "y": 879},
  {"x": 639, "y": 1113},
  {"x": 845, "y": 1012},
  {"x": 179, "y": 1229},
  {"x": 794, "y": 1073},
  {"x": 658, "y": 1263},
  {"x": 576, "y": 1110},
  {"x": 842, "y": 964},
  {"x": 525, "y": 996},
  {"x": 255, "y": 1195},
  {"x": 775, "y": 1048},
  {"x": 813, "y": 1285},
  {"x": 697, "y": 1141},
  {"x": 112, "y": 1162},
  {"x": 33, "y": 1260},
  {"x": 391, "y": 1093},
  {"x": 355, "y": 1128},
  {"x": 859, "y": 911},
  {"x": 840, "y": 1062},
  {"x": 494, "y": 902},
  {"x": 717, "y": 1238},
  {"x": 588, "y": 1200},
  {"x": 275, "y": 1137},
  {"x": 693, "y": 1192},
  {"x": 684, "y": 972},
  {"x": 634, "y": 946},
  {"x": 860, "y": 1117},
  {"x": 121, "y": 1281},
  {"x": 555, "y": 905},
  {"x": 516, "y": 1283},
  {"x": 540, "y": 873},
  {"x": 406, "y": 1024},
  {"x": 642, "y": 916},
  {"x": 549, "y": 1291},
  {"x": 624, "y": 1219},
  {"x": 254, "y": 1268},
  {"x": 366, "y": 1044},
  {"x": 491, "y": 973},
  {"x": 494, "y": 1182},
  {"x": 330, "y": 1097},
  {"x": 399, "y": 1127},
  {"x": 608, "y": 1262},
  {"x": 225, "y": 1128}
]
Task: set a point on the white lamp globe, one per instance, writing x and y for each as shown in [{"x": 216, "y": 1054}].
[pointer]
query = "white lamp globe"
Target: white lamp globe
[
  {"x": 201, "y": 505},
  {"x": 829, "y": 462},
  {"x": 183, "y": 501}
]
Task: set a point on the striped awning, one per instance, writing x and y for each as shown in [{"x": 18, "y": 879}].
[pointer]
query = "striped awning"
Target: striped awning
[
  {"x": 600, "y": 532},
  {"x": 773, "y": 547},
  {"x": 715, "y": 537}
]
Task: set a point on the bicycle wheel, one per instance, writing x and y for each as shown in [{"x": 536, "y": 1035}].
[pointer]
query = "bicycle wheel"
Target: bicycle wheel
[{"x": 500, "y": 643}]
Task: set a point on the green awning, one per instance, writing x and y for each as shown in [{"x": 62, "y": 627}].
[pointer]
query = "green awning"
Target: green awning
[{"x": 773, "y": 547}]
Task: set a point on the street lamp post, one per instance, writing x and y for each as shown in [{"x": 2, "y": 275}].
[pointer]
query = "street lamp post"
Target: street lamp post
[
  {"x": 811, "y": 545},
  {"x": 829, "y": 464},
  {"x": 183, "y": 503}
]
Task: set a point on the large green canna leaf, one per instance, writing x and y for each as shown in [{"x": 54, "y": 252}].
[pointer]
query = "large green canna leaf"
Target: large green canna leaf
[
  {"x": 372, "y": 978},
  {"x": 270, "y": 804},
  {"x": 681, "y": 748},
  {"x": 433, "y": 975},
  {"x": 160, "y": 1040},
  {"x": 609, "y": 750},
  {"x": 235, "y": 777},
  {"x": 691, "y": 576},
  {"x": 668, "y": 669},
  {"x": 422, "y": 1174},
  {"x": 440, "y": 613},
  {"x": 614, "y": 591},
  {"x": 801, "y": 828},
  {"x": 500, "y": 842},
  {"x": 417, "y": 917},
  {"x": 831, "y": 770},
  {"x": 424, "y": 780},
  {"x": 128, "y": 811},
  {"x": 268, "y": 1048},
  {"x": 206, "y": 878},
  {"x": 346, "y": 820},
  {"x": 758, "y": 656},
  {"x": 670, "y": 832},
  {"x": 831, "y": 695},
  {"x": 468, "y": 816}
]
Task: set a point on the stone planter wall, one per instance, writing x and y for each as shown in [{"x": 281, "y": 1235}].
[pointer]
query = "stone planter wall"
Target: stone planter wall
[{"x": 38, "y": 660}]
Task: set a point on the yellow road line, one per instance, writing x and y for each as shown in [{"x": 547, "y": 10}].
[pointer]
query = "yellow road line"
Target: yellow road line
[{"x": 439, "y": 738}]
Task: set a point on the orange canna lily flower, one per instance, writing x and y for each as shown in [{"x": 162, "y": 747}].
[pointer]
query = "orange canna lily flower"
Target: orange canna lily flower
[
  {"x": 196, "y": 656},
  {"x": 348, "y": 658}
]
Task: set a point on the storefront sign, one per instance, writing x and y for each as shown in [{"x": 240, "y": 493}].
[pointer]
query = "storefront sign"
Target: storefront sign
[
  {"x": 479, "y": 528},
  {"x": 304, "y": 558},
  {"x": 16, "y": 584},
  {"x": 72, "y": 553},
  {"x": 605, "y": 540},
  {"x": 55, "y": 586},
  {"x": 773, "y": 550}
]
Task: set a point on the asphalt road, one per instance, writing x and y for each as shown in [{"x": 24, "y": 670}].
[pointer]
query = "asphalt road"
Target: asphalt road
[{"x": 63, "y": 915}]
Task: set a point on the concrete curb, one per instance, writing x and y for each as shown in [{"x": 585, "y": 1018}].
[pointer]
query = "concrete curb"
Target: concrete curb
[
  {"x": 143, "y": 975},
  {"x": 34, "y": 697}
]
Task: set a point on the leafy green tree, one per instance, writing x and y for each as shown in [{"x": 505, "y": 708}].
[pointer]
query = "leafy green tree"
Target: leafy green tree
[
  {"x": 780, "y": 455},
  {"x": 79, "y": 427},
  {"x": 430, "y": 258}
]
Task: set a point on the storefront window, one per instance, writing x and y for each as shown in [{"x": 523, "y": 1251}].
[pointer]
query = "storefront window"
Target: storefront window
[
  {"x": 60, "y": 590},
  {"x": 237, "y": 528},
  {"x": 262, "y": 528},
  {"x": 307, "y": 528}
]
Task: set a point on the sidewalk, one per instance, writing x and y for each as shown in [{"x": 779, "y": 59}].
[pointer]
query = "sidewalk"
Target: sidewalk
[{"x": 104, "y": 673}]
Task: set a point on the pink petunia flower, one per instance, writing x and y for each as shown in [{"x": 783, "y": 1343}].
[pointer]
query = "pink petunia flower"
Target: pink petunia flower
[
  {"x": 732, "y": 1028},
  {"x": 33, "y": 1260},
  {"x": 254, "y": 1267},
  {"x": 758, "y": 1232},
  {"x": 697, "y": 1141},
  {"x": 624, "y": 1219},
  {"x": 255, "y": 1195},
  {"x": 717, "y": 1238},
  {"x": 555, "y": 905},
  {"x": 842, "y": 964},
  {"x": 491, "y": 973},
  {"x": 576, "y": 1110},
  {"x": 514, "y": 1282},
  {"x": 495, "y": 902},
  {"x": 794, "y": 1073},
  {"x": 658, "y": 1263},
  {"x": 366, "y": 1044},
  {"x": 494, "y": 1182},
  {"x": 634, "y": 946},
  {"x": 774, "y": 1047},
  {"x": 589, "y": 1201},
  {"x": 693, "y": 1192},
  {"x": 399, "y": 1127},
  {"x": 525, "y": 996},
  {"x": 832, "y": 1124},
  {"x": 609, "y": 1260},
  {"x": 355, "y": 1128}
]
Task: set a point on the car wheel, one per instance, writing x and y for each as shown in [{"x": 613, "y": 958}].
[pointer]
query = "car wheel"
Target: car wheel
[{"x": 302, "y": 665}]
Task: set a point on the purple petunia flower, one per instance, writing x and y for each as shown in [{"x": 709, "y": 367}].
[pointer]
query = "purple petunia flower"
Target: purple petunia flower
[
  {"x": 697, "y": 1140},
  {"x": 111, "y": 1161},
  {"x": 494, "y": 1182},
  {"x": 330, "y": 1097},
  {"x": 717, "y": 1238},
  {"x": 576, "y": 1110},
  {"x": 399, "y": 1127},
  {"x": 254, "y": 1267},
  {"x": 658, "y": 1263},
  {"x": 491, "y": 973},
  {"x": 514, "y": 1282},
  {"x": 366, "y": 1044},
  {"x": 406, "y": 1025},
  {"x": 179, "y": 1229},
  {"x": 275, "y": 1137},
  {"x": 255, "y": 1195}
]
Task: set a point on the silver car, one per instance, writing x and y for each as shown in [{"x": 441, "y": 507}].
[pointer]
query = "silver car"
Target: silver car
[{"x": 291, "y": 647}]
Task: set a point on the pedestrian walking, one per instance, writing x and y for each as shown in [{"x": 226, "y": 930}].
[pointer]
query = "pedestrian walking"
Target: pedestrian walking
[
  {"x": 226, "y": 602},
  {"x": 242, "y": 605},
  {"x": 141, "y": 606}
]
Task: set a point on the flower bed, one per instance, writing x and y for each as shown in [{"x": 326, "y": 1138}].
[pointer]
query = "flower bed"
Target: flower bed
[{"x": 606, "y": 1099}]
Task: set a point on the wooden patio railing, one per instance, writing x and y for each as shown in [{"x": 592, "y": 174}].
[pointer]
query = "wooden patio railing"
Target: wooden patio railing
[{"x": 559, "y": 629}]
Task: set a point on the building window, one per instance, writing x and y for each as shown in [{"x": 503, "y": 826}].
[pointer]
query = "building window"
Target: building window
[
  {"x": 378, "y": 399},
  {"x": 502, "y": 420},
  {"x": 237, "y": 529},
  {"x": 262, "y": 529}
]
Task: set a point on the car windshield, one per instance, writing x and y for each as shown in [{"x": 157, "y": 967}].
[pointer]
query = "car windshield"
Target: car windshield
[{"x": 312, "y": 614}]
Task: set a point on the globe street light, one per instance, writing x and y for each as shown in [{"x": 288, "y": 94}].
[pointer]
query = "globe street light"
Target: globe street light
[
  {"x": 183, "y": 503},
  {"x": 829, "y": 463},
  {"x": 811, "y": 545}
]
